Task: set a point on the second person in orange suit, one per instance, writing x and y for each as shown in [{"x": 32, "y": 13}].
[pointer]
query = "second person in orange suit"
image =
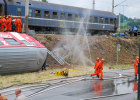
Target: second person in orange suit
[
  {"x": 18, "y": 24},
  {"x": 96, "y": 67},
  {"x": 136, "y": 67},
  {"x": 100, "y": 68},
  {"x": 3, "y": 24},
  {"x": 9, "y": 21}
]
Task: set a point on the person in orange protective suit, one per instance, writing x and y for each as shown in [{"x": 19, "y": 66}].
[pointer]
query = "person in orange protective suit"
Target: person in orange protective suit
[
  {"x": 136, "y": 67},
  {"x": 9, "y": 21},
  {"x": 2, "y": 97},
  {"x": 97, "y": 88},
  {"x": 3, "y": 24},
  {"x": 18, "y": 24},
  {"x": 99, "y": 69},
  {"x": 95, "y": 67},
  {"x": 0, "y": 23}
]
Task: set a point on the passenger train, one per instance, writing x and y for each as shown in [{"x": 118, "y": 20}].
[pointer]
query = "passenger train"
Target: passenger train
[{"x": 55, "y": 17}]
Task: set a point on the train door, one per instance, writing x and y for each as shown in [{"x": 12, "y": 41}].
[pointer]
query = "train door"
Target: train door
[
  {"x": 116, "y": 25},
  {"x": 1, "y": 10}
]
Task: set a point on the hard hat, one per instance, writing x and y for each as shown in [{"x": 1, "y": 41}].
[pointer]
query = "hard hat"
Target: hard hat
[
  {"x": 97, "y": 58},
  {"x": 102, "y": 59}
]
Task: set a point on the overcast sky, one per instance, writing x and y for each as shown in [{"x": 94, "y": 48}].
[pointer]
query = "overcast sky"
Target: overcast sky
[{"x": 131, "y": 10}]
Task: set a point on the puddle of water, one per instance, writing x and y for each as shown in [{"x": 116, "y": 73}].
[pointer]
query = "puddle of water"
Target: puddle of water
[{"x": 91, "y": 88}]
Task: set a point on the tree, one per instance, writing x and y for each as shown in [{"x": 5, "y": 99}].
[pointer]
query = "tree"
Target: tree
[{"x": 44, "y": 0}]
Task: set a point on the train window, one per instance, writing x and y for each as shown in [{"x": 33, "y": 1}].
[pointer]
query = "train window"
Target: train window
[
  {"x": 26, "y": 42},
  {"x": 38, "y": 13},
  {"x": 1, "y": 10},
  {"x": 106, "y": 20},
  {"x": 18, "y": 11},
  {"x": 34, "y": 43},
  {"x": 111, "y": 21},
  {"x": 95, "y": 19},
  {"x": 101, "y": 20},
  {"x": 90, "y": 19},
  {"x": 30, "y": 12},
  {"x": 1, "y": 43},
  {"x": 47, "y": 14},
  {"x": 70, "y": 17},
  {"x": 55, "y": 16},
  {"x": 62, "y": 16},
  {"x": 12, "y": 41},
  {"x": 76, "y": 17}
]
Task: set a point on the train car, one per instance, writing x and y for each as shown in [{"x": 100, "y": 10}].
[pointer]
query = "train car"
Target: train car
[
  {"x": 55, "y": 17},
  {"x": 20, "y": 53}
]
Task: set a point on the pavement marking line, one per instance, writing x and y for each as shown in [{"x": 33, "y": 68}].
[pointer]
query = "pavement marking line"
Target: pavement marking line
[
  {"x": 35, "y": 94},
  {"x": 108, "y": 96}
]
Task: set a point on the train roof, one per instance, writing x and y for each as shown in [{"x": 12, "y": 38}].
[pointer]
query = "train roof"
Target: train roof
[
  {"x": 13, "y": 39},
  {"x": 64, "y": 8}
]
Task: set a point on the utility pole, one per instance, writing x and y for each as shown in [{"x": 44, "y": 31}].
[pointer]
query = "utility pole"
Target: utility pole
[
  {"x": 26, "y": 15},
  {"x": 123, "y": 15},
  {"x": 118, "y": 50},
  {"x": 119, "y": 22},
  {"x": 93, "y": 4},
  {"x": 112, "y": 6}
]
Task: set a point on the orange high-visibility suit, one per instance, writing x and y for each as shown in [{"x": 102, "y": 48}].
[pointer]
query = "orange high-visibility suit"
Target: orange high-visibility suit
[
  {"x": 3, "y": 97},
  {"x": 136, "y": 66},
  {"x": 18, "y": 25},
  {"x": 3, "y": 25},
  {"x": 9, "y": 21},
  {"x": 97, "y": 88},
  {"x": 96, "y": 66},
  {"x": 0, "y": 23},
  {"x": 99, "y": 69}
]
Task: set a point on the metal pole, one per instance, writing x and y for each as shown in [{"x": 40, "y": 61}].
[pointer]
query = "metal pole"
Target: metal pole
[
  {"x": 123, "y": 18},
  {"x": 119, "y": 22},
  {"x": 93, "y": 4},
  {"x": 26, "y": 15},
  {"x": 113, "y": 6},
  {"x": 117, "y": 56},
  {"x": 139, "y": 75}
]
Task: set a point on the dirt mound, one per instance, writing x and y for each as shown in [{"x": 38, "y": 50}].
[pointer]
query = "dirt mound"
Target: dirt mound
[{"x": 100, "y": 46}]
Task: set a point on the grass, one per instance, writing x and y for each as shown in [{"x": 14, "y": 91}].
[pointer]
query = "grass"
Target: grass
[
  {"x": 18, "y": 79},
  {"x": 137, "y": 41}
]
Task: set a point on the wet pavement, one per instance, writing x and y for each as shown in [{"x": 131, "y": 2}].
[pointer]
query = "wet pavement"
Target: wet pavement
[{"x": 117, "y": 85}]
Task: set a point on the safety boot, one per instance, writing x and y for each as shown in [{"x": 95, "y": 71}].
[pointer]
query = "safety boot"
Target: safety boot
[{"x": 98, "y": 76}]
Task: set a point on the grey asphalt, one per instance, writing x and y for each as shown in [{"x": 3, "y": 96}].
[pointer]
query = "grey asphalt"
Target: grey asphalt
[{"x": 114, "y": 84}]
